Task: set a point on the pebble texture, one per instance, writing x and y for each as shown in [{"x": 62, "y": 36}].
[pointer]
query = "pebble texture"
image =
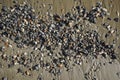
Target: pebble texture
[{"x": 55, "y": 45}]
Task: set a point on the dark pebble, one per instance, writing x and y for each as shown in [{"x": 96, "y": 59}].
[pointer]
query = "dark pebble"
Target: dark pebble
[
  {"x": 116, "y": 19},
  {"x": 4, "y": 78},
  {"x": 109, "y": 18}
]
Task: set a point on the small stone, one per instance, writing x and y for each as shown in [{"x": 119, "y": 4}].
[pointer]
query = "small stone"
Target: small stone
[
  {"x": 2, "y": 49},
  {"x": 19, "y": 70},
  {"x": 27, "y": 73},
  {"x": 35, "y": 48},
  {"x": 22, "y": 29},
  {"x": 10, "y": 45},
  {"x": 109, "y": 18},
  {"x": 116, "y": 19},
  {"x": 71, "y": 23},
  {"x": 60, "y": 65},
  {"x": 104, "y": 9},
  {"x": 36, "y": 67},
  {"x": 4, "y": 56},
  {"x": 25, "y": 53},
  {"x": 4, "y": 78},
  {"x": 16, "y": 63},
  {"x": 118, "y": 74}
]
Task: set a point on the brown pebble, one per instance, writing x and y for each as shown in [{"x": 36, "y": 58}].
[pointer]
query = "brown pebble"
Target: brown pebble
[
  {"x": 60, "y": 65},
  {"x": 28, "y": 73},
  {"x": 6, "y": 43}
]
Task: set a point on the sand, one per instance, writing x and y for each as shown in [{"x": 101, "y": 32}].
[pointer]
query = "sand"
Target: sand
[{"x": 105, "y": 69}]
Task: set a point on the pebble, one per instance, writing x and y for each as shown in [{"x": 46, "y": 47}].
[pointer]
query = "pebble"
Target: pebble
[
  {"x": 2, "y": 49},
  {"x": 118, "y": 74},
  {"x": 27, "y": 73},
  {"x": 36, "y": 67},
  {"x": 10, "y": 46},
  {"x": 19, "y": 70},
  {"x": 39, "y": 77},
  {"x": 4, "y": 78},
  {"x": 116, "y": 19},
  {"x": 25, "y": 53},
  {"x": 109, "y": 18}
]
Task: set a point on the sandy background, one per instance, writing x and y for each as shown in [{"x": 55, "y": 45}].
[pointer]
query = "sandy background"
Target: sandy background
[{"x": 106, "y": 72}]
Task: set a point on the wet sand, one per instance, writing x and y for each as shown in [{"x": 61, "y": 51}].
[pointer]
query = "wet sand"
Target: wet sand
[{"x": 106, "y": 72}]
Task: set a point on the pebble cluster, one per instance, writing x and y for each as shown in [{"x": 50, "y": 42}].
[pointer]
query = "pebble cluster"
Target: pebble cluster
[{"x": 63, "y": 39}]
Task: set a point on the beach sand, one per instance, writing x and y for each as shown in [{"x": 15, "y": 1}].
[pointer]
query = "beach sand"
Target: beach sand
[{"x": 100, "y": 68}]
